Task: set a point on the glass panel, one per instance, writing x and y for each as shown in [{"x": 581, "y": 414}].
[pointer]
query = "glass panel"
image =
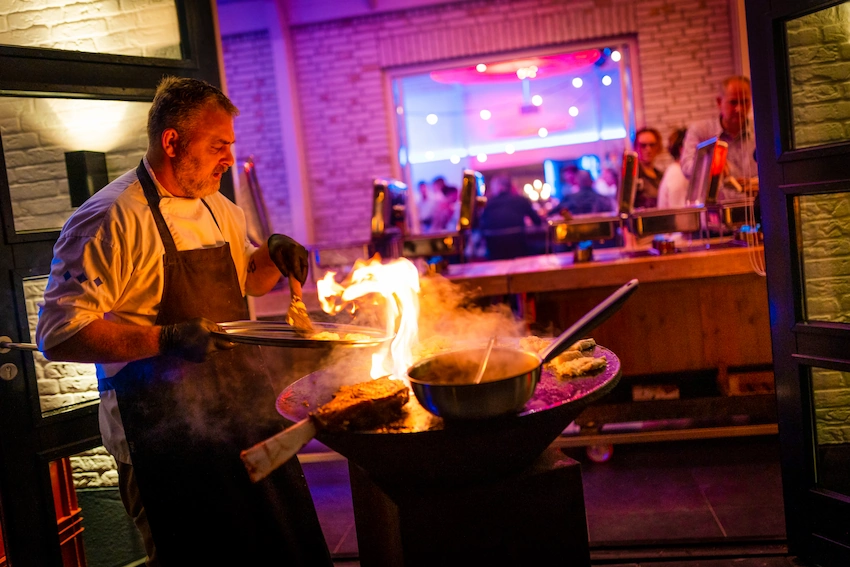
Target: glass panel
[
  {"x": 146, "y": 28},
  {"x": 528, "y": 116},
  {"x": 93, "y": 527},
  {"x": 825, "y": 249},
  {"x": 37, "y": 133},
  {"x": 820, "y": 88},
  {"x": 61, "y": 385},
  {"x": 831, "y": 395}
]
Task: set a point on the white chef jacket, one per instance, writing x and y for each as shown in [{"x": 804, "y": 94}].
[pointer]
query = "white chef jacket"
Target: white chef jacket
[{"x": 108, "y": 264}]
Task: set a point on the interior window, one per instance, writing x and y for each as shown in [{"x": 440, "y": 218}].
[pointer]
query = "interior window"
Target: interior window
[{"x": 524, "y": 115}]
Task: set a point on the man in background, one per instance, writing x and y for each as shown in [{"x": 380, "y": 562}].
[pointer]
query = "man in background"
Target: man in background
[{"x": 731, "y": 125}]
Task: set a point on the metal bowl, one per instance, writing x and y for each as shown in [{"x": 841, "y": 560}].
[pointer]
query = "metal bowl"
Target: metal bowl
[{"x": 444, "y": 383}]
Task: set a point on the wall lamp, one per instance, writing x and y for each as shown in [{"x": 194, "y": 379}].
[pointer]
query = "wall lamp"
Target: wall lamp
[{"x": 86, "y": 175}]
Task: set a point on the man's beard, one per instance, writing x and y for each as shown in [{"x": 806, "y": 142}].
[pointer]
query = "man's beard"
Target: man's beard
[{"x": 190, "y": 179}]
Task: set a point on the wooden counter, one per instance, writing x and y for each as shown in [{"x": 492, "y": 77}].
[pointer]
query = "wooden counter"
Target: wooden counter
[{"x": 695, "y": 310}]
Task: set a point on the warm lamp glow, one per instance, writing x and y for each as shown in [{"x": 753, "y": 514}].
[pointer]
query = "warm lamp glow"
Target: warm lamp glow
[{"x": 481, "y": 67}]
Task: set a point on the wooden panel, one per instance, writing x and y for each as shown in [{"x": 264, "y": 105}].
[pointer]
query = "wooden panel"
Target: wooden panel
[{"x": 675, "y": 326}]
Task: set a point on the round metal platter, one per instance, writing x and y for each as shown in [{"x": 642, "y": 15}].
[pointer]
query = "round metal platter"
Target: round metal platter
[{"x": 280, "y": 334}]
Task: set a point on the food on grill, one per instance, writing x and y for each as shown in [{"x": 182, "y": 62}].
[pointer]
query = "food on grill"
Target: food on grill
[
  {"x": 575, "y": 361},
  {"x": 363, "y": 405},
  {"x": 539, "y": 344},
  {"x": 360, "y": 406},
  {"x": 297, "y": 315},
  {"x": 577, "y": 366},
  {"x": 331, "y": 336}
]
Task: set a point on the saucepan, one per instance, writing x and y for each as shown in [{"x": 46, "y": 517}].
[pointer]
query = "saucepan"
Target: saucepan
[{"x": 448, "y": 385}]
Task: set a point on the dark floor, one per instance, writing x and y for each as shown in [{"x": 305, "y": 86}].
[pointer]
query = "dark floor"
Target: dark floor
[{"x": 705, "y": 503}]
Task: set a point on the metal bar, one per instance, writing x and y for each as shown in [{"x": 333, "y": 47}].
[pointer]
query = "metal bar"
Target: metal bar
[{"x": 666, "y": 435}]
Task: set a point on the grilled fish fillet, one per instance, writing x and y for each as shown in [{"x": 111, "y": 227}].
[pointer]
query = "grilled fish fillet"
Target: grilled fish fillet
[{"x": 363, "y": 406}]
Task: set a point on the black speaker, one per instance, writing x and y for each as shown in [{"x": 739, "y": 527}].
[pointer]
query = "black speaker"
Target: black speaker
[{"x": 86, "y": 175}]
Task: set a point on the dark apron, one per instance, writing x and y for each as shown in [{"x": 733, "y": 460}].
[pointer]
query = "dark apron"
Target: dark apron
[{"x": 186, "y": 423}]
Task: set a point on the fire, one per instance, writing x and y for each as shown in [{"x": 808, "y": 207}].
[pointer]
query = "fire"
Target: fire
[{"x": 397, "y": 282}]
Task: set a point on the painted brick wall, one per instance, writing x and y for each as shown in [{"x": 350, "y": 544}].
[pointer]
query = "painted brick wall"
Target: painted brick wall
[
  {"x": 146, "y": 28},
  {"x": 251, "y": 86},
  {"x": 819, "y": 56},
  {"x": 826, "y": 266},
  {"x": 684, "y": 49}
]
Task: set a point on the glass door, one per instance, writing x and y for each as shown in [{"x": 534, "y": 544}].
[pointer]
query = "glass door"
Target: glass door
[
  {"x": 82, "y": 96},
  {"x": 799, "y": 59}
]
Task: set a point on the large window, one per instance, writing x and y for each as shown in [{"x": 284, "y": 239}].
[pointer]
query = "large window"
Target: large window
[{"x": 517, "y": 114}]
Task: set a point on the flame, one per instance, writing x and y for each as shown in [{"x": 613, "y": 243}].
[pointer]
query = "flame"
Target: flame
[{"x": 398, "y": 283}]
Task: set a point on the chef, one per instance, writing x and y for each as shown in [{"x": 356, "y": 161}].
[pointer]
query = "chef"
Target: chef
[{"x": 141, "y": 274}]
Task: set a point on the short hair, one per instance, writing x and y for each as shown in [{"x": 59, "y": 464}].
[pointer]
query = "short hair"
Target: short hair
[
  {"x": 652, "y": 131},
  {"x": 675, "y": 142},
  {"x": 439, "y": 179},
  {"x": 177, "y": 104},
  {"x": 733, "y": 79},
  {"x": 449, "y": 190}
]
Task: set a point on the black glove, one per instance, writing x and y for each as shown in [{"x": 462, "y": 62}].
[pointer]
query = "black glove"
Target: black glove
[
  {"x": 289, "y": 257},
  {"x": 191, "y": 340}
]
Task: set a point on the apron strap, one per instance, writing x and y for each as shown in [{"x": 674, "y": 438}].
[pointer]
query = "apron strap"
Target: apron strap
[{"x": 153, "y": 198}]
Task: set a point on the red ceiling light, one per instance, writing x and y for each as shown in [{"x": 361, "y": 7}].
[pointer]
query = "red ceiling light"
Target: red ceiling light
[{"x": 506, "y": 71}]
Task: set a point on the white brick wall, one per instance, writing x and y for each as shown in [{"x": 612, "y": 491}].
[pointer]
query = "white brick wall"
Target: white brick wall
[
  {"x": 251, "y": 86},
  {"x": 146, "y": 28},
  {"x": 36, "y": 133},
  {"x": 819, "y": 56},
  {"x": 684, "y": 49},
  {"x": 826, "y": 267}
]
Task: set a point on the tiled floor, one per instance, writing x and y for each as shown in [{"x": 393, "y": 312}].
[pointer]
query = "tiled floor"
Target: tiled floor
[{"x": 646, "y": 495}]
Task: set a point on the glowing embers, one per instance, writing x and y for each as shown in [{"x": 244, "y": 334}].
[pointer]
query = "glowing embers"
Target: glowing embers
[{"x": 390, "y": 290}]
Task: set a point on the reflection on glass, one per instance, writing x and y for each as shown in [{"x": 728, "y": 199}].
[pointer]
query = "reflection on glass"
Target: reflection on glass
[
  {"x": 514, "y": 115},
  {"x": 831, "y": 396},
  {"x": 93, "y": 527},
  {"x": 36, "y": 133},
  {"x": 130, "y": 27},
  {"x": 825, "y": 245},
  {"x": 61, "y": 385},
  {"x": 820, "y": 89}
]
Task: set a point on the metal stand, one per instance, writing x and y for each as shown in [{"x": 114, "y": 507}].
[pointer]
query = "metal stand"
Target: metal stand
[{"x": 535, "y": 517}]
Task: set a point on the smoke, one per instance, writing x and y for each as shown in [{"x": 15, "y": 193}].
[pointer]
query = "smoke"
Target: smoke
[{"x": 450, "y": 318}]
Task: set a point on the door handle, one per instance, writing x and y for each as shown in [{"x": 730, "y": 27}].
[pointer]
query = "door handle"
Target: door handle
[{"x": 6, "y": 345}]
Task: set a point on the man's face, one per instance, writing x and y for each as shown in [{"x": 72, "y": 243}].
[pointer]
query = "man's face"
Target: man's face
[
  {"x": 647, "y": 146},
  {"x": 734, "y": 106},
  {"x": 201, "y": 161}
]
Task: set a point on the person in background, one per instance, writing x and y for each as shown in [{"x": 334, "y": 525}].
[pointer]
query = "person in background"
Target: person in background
[
  {"x": 142, "y": 273},
  {"x": 731, "y": 125},
  {"x": 606, "y": 185},
  {"x": 586, "y": 200},
  {"x": 568, "y": 179},
  {"x": 447, "y": 212},
  {"x": 426, "y": 204},
  {"x": 673, "y": 189},
  {"x": 504, "y": 219},
  {"x": 648, "y": 146}
]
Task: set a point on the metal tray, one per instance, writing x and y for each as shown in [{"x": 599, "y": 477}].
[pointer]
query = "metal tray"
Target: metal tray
[{"x": 278, "y": 333}]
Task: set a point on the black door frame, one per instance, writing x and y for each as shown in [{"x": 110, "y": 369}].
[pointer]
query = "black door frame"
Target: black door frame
[
  {"x": 817, "y": 521},
  {"x": 29, "y": 441}
]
